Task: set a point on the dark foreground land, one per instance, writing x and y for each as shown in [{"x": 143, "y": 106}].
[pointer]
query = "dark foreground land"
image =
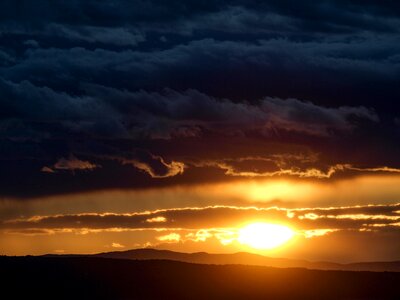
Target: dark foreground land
[{"x": 105, "y": 278}]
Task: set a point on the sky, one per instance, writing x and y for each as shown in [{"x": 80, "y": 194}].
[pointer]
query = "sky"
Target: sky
[{"x": 173, "y": 124}]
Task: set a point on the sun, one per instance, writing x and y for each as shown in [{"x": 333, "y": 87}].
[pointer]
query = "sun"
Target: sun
[{"x": 264, "y": 236}]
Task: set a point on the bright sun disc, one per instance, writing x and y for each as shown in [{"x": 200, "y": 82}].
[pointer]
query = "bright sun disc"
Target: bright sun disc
[{"x": 264, "y": 236}]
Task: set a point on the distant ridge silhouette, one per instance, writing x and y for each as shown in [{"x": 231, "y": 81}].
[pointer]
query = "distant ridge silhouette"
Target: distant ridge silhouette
[{"x": 244, "y": 258}]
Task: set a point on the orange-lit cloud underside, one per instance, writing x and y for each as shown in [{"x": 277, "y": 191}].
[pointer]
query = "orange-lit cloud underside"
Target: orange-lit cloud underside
[
  {"x": 304, "y": 219},
  {"x": 210, "y": 217}
]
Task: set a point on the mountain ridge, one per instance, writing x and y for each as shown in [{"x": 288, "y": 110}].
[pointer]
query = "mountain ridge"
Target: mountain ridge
[{"x": 241, "y": 258}]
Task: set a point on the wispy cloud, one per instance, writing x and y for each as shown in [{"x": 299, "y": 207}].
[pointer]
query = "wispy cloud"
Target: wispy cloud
[
  {"x": 117, "y": 245},
  {"x": 70, "y": 164}
]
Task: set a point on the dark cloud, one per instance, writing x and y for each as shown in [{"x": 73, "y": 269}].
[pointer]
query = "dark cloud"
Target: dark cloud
[
  {"x": 336, "y": 13},
  {"x": 155, "y": 89},
  {"x": 102, "y": 115},
  {"x": 234, "y": 69},
  {"x": 107, "y": 112},
  {"x": 115, "y": 36}
]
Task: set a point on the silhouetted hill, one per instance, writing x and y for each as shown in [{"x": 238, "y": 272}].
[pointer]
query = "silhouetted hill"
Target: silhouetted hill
[
  {"x": 104, "y": 278},
  {"x": 244, "y": 258}
]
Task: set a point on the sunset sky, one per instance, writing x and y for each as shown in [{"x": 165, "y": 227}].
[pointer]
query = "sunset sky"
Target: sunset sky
[{"x": 176, "y": 124}]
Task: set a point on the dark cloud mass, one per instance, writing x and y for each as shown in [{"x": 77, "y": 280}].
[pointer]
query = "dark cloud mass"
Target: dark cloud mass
[{"x": 127, "y": 94}]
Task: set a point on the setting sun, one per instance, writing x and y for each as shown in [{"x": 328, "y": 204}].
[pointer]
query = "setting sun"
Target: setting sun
[{"x": 264, "y": 236}]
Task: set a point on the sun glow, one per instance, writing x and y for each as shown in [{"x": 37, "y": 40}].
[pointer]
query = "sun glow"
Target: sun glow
[{"x": 264, "y": 236}]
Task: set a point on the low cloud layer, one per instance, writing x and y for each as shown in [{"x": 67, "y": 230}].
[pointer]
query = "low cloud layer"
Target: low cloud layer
[{"x": 371, "y": 217}]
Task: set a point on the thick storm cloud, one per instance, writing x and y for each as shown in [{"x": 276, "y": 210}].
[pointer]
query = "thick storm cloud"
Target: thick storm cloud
[{"x": 127, "y": 94}]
